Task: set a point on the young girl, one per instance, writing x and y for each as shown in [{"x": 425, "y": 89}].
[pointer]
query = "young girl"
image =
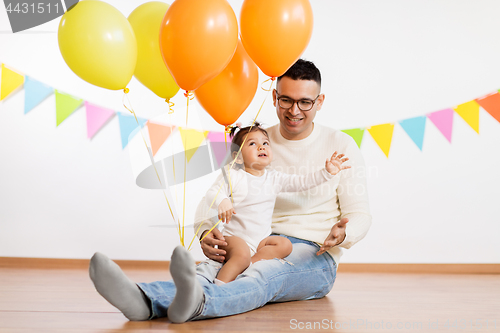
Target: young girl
[{"x": 246, "y": 200}]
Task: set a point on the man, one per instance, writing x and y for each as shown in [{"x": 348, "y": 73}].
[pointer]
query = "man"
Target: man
[{"x": 335, "y": 215}]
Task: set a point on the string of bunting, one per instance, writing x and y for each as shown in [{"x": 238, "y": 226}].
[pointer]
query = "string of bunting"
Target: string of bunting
[{"x": 97, "y": 116}]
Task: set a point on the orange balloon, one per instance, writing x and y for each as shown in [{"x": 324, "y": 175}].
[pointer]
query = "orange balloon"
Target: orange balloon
[
  {"x": 197, "y": 40},
  {"x": 275, "y": 33},
  {"x": 228, "y": 95}
]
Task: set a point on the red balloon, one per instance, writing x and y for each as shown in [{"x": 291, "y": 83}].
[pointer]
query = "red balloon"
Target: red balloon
[
  {"x": 197, "y": 40},
  {"x": 228, "y": 95}
]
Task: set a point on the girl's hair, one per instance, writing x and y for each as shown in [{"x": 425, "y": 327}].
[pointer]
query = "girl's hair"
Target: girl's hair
[{"x": 238, "y": 135}]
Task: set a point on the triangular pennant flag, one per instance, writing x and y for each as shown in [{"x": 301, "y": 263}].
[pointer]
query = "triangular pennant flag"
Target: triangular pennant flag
[
  {"x": 127, "y": 125},
  {"x": 443, "y": 120},
  {"x": 415, "y": 128},
  {"x": 221, "y": 143},
  {"x": 10, "y": 81},
  {"x": 97, "y": 117},
  {"x": 34, "y": 93},
  {"x": 65, "y": 106},
  {"x": 491, "y": 104},
  {"x": 470, "y": 113},
  {"x": 191, "y": 139},
  {"x": 158, "y": 134},
  {"x": 356, "y": 134},
  {"x": 382, "y": 134}
]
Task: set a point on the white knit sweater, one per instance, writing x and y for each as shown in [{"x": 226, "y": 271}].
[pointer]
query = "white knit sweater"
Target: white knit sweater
[{"x": 311, "y": 214}]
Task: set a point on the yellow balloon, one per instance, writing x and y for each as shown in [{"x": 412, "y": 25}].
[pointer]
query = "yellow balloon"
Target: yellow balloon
[
  {"x": 150, "y": 69},
  {"x": 98, "y": 44}
]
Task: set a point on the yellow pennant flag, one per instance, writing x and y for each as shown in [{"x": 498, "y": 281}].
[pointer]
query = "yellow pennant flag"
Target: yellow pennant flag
[
  {"x": 470, "y": 113},
  {"x": 191, "y": 139},
  {"x": 382, "y": 134},
  {"x": 10, "y": 81}
]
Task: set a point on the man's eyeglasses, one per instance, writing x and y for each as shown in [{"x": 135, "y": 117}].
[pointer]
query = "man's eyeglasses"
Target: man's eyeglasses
[{"x": 303, "y": 104}]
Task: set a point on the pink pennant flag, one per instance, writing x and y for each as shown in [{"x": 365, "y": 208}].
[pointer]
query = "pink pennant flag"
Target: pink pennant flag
[
  {"x": 97, "y": 117},
  {"x": 218, "y": 142},
  {"x": 444, "y": 121},
  {"x": 218, "y": 137}
]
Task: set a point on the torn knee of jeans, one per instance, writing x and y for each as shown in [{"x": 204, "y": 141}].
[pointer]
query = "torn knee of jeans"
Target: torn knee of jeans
[
  {"x": 281, "y": 260},
  {"x": 284, "y": 261}
]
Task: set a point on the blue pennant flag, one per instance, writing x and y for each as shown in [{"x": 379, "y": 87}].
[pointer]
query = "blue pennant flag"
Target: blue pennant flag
[
  {"x": 415, "y": 128},
  {"x": 127, "y": 125},
  {"x": 34, "y": 93}
]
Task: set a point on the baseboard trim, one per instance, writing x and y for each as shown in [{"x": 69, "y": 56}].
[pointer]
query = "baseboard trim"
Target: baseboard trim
[
  {"x": 49, "y": 263},
  {"x": 421, "y": 268}
]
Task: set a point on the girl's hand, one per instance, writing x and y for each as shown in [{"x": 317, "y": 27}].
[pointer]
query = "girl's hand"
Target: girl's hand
[
  {"x": 334, "y": 164},
  {"x": 226, "y": 210}
]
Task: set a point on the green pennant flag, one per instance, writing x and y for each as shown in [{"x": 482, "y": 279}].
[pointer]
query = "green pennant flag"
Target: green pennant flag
[
  {"x": 65, "y": 106},
  {"x": 356, "y": 134}
]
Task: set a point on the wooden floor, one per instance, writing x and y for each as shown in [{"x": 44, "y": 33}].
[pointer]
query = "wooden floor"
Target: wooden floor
[{"x": 64, "y": 300}]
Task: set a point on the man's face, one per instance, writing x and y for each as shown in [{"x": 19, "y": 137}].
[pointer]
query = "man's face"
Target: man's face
[{"x": 296, "y": 124}]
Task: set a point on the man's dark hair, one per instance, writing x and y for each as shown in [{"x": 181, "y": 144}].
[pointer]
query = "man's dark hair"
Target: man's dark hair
[{"x": 303, "y": 70}]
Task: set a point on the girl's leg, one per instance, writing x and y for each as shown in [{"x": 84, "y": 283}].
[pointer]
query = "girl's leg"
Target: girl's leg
[
  {"x": 272, "y": 247},
  {"x": 237, "y": 259}
]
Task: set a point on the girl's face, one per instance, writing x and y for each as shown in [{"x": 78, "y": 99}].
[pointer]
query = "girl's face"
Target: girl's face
[{"x": 256, "y": 151}]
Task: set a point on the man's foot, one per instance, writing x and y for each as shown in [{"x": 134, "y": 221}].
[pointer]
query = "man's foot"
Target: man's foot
[
  {"x": 117, "y": 288},
  {"x": 189, "y": 297}
]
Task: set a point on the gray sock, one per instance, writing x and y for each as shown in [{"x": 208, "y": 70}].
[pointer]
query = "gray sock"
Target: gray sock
[
  {"x": 117, "y": 288},
  {"x": 188, "y": 300}
]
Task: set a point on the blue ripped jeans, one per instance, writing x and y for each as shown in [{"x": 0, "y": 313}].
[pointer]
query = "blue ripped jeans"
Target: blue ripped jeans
[{"x": 300, "y": 276}]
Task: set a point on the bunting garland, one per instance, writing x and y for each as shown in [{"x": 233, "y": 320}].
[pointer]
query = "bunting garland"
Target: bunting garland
[
  {"x": 194, "y": 139},
  {"x": 415, "y": 128},
  {"x": 98, "y": 117},
  {"x": 470, "y": 113},
  {"x": 444, "y": 121},
  {"x": 382, "y": 134},
  {"x": 127, "y": 125},
  {"x": 491, "y": 104},
  {"x": 34, "y": 93},
  {"x": 10, "y": 81},
  {"x": 220, "y": 144},
  {"x": 65, "y": 106},
  {"x": 356, "y": 134},
  {"x": 158, "y": 134}
]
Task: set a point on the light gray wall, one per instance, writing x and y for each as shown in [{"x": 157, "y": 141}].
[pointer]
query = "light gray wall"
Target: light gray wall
[{"x": 64, "y": 196}]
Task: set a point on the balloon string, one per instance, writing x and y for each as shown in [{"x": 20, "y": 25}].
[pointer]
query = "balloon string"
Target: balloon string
[
  {"x": 209, "y": 231},
  {"x": 189, "y": 96},
  {"x": 173, "y": 156},
  {"x": 272, "y": 79},
  {"x": 170, "y": 107},
  {"x": 131, "y": 110}
]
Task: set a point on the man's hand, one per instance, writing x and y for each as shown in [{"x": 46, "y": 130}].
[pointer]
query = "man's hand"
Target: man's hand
[
  {"x": 336, "y": 236},
  {"x": 334, "y": 164},
  {"x": 207, "y": 245},
  {"x": 226, "y": 210}
]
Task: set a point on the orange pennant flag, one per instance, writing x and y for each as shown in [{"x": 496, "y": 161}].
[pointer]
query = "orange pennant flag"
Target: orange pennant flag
[
  {"x": 158, "y": 134},
  {"x": 382, "y": 134},
  {"x": 491, "y": 104}
]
